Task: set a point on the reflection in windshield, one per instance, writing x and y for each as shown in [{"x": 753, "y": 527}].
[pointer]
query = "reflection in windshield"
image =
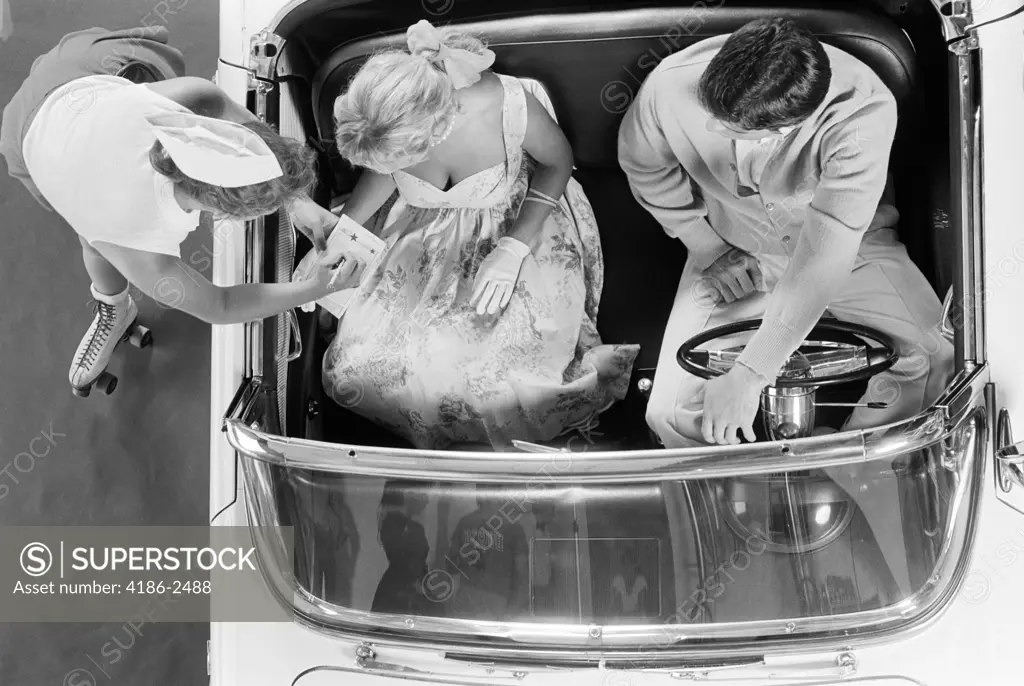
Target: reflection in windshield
[
  {"x": 771, "y": 546},
  {"x": 404, "y": 541}
]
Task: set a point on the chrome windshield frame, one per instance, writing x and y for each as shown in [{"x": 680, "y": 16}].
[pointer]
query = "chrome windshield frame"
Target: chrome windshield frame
[
  {"x": 965, "y": 402},
  {"x": 831, "y": 450},
  {"x": 618, "y": 467}
]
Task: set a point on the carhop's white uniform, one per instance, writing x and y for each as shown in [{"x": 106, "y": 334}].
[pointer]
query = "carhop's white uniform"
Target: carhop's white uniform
[
  {"x": 87, "y": 151},
  {"x": 79, "y": 136}
]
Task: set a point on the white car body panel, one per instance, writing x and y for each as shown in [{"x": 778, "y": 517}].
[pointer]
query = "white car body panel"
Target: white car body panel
[{"x": 974, "y": 641}]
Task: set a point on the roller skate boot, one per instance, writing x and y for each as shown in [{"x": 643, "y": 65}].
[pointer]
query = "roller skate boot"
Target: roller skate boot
[{"x": 115, "y": 322}]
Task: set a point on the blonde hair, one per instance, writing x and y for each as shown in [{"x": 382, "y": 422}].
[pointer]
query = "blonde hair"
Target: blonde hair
[{"x": 397, "y": 104}]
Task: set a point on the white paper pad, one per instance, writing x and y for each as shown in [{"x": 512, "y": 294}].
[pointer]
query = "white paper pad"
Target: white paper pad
[{"x": 350, "y": 239}]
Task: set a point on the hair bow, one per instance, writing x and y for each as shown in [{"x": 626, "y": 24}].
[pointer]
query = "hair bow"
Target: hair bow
[{"x": 462, "y": 66}]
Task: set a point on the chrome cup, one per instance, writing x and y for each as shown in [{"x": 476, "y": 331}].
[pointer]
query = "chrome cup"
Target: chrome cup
[{"x": 788, "y": 413}]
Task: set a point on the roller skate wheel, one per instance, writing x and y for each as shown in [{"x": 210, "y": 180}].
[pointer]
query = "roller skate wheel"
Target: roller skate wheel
[
  {"x": 140, "y": 337},
  {"x": 81, "y": 392},
  {"x": 106, "y": 383}
]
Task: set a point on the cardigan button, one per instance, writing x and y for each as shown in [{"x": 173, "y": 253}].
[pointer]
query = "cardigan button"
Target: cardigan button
[
  {"x": 785, "y": 239},
  {"x": 770, "y": 206}
]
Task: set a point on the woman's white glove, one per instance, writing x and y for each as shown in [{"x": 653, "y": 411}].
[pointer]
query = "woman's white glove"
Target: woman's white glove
[{"x": 499, "y": 272}]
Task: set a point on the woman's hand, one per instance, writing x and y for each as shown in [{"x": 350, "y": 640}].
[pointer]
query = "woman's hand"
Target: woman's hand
[
  {"x": 312, "y": 221},
  {"x": 499, "y": 272}
]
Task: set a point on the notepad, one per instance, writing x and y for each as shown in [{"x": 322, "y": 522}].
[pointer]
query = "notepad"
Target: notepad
[{"x": 350, "y": 239}]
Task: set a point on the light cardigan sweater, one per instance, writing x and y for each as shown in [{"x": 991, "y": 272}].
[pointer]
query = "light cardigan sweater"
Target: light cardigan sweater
[{"x": 818, "y": 193}]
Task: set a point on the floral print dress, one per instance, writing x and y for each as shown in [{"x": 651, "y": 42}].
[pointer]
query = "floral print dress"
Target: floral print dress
[{"x": 411, "y": 353}]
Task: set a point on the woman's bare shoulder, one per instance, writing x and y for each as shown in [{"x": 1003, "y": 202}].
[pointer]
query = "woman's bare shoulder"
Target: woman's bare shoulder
[{"x": 486, "y": 95}]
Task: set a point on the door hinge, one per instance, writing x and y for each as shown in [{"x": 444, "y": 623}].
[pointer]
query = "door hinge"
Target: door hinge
[
  {"x": 264, "y": 51},
  {"x": 965, "y": 44},
  {"x": 956, "y": 17},
  {"x": 209, "y": 663},
  {"x": 1009, "y": 458}
]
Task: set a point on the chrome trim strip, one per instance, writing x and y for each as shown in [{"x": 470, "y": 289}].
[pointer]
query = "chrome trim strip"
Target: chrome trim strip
[
  {"x": 255, "y": 244},
  {"x": 593, "y": 467},
  {"x": 962, "y": 179},
  {"x": 830, "y": 450},
  {"x": 251, "y": 270},
  {"x": 376, "y": 672},
  {"x": 977, "y": 256},
  {"x": 963, "y": 392},
  {"x": 842, "y": 664}
]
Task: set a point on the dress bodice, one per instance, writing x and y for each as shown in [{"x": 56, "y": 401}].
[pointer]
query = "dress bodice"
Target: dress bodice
[{"x": 488, "y": 187}]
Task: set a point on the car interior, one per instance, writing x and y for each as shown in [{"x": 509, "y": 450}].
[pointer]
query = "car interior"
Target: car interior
[
  {"x": 591, "y": 60},
  {"x": 623, "y": 553}
]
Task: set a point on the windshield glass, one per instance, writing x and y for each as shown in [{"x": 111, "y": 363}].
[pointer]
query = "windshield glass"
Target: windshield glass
[{"x": 813, "y": 543}]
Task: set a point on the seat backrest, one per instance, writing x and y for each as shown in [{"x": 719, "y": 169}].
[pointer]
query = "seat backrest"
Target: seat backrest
[{"x": 592, "y": 64}]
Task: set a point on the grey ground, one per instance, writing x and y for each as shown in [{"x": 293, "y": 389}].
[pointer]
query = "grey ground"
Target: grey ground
[{"x": 138, "y": 457}]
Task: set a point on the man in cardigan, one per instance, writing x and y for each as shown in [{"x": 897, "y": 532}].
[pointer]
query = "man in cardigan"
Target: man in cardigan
[{"x": 766, "y": 153}]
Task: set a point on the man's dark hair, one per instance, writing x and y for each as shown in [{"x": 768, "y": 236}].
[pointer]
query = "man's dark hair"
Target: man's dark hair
[{"x": 769, "y": 73}]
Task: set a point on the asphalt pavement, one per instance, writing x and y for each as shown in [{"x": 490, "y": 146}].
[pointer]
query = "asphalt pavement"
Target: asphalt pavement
[{"x": 138, "y": 457}]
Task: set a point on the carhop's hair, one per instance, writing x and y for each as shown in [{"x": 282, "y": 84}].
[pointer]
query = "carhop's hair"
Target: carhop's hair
[
  {"x": 397, "y": 104},
  {"x": 297, "y": 162},
  {"x": 768, "y": 74}
]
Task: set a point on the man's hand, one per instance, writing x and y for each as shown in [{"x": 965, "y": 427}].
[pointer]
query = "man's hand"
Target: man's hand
[
  {"x": 734, "y": 275},
  {"x": 312, "y": 221},
  {"x": 730, "y": 405}
]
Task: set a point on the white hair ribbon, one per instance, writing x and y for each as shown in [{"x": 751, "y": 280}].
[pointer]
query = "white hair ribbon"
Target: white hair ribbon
[{"x": 463, "y": 66}]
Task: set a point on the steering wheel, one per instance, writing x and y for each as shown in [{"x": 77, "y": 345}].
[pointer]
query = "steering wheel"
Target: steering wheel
[
  {"x": 812, "y": 510},
  {"x": 875, "y": 359}
]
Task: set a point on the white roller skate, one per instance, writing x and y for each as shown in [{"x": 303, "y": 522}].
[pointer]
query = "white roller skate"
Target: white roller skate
[{"x": 115, "y": 321}]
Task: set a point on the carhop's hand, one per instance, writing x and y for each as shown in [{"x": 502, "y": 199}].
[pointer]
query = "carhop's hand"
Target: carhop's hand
[
  {"x": 734, "y": 275},
  {"x": 730, "y": 405},
  {"x": 338, "y": 272},
  {"x": 312, "y": 221},
  {"x": 496, "y": 280}
]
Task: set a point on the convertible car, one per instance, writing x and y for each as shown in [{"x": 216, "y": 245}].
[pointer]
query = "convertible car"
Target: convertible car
[{"x": 883, "y": 556}]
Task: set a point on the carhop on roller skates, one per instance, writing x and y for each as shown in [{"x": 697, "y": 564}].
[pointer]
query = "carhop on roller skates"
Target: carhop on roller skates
[{"x": 115, "y": 322}]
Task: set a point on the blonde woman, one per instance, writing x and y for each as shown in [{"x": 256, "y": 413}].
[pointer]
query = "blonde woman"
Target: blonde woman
[{"x": 480, "y": 325}]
